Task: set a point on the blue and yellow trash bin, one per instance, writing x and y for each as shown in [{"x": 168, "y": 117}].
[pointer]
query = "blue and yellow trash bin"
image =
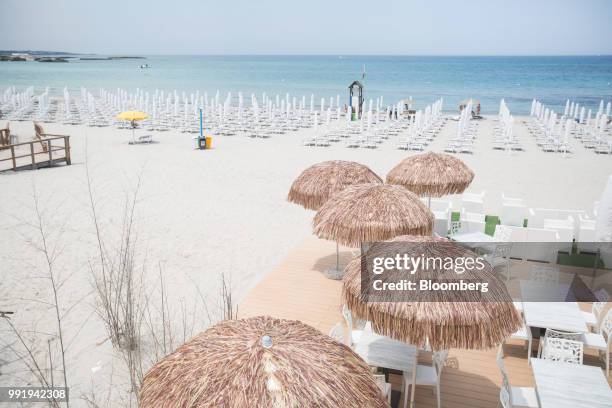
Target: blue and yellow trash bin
[{"x": 204, "y": 142}]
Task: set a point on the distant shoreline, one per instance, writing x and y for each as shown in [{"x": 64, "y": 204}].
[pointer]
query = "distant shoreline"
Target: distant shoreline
[
  {"x": 54, "y": 56},
  {"x": 110, "y": 58}
]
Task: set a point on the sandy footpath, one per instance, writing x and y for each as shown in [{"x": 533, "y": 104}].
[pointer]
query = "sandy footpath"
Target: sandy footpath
[{"x": 201, "y": 213}]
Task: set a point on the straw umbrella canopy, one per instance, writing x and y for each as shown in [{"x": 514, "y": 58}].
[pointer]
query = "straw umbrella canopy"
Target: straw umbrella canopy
[
  {"x": 317, "y": 183},
  {"x": 432, "y": 174},
  {"x": 261, "y": 362},
  {"x": 447, "y": 319},
  {"x": 369, "y": 213}
]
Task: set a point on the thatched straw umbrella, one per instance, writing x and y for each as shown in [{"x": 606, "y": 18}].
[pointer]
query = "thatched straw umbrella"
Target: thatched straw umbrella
[
  {"x": 370, "y": 213},
  {"x": 261, "y": 362},
  {"x": 317, "y": 183},
  {"x": 447, "y": 319},
  {"x": 432, "y": 175}
]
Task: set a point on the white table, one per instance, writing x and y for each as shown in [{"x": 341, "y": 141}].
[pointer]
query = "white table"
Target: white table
[
  {"x": 564, "y": 316},
  {"x": 473, "y": 237},
  {"x": 564, "y": 385},
  {"x": 384, "y": 352}
]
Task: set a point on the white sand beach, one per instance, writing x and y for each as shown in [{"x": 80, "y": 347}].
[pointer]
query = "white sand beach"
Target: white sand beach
[{"x": 203, "y": 213}]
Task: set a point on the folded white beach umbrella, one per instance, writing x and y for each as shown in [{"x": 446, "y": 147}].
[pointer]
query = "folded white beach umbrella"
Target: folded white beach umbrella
[
  {"x": 588, "y": 118},
  {"x": 608, "y": 108},
  {"x": 576, "y": 108},
  {"x": 601, "y": 106},
  {"x": 568, "y": 128}
]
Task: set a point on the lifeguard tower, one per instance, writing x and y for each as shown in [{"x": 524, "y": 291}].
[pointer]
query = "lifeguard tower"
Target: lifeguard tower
[{"x": 356, "y": 98}]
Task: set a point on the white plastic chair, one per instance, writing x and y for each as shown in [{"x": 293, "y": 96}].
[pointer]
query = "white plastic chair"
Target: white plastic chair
[
  {"x": 601, "y": 341},
  {"x": 470, "y": 216},
  {"x": 354, "y": 335},
  {"x": 502, "y": 233},
  {"x": 563, "y": 350},
  {"x": 455, "y": 228},
  {"x": 592, "y": 318},
  {"x": 514, "y": 397},
  {"x": 337, "y": 333},
  {"x": 441, "y": 223},
  {"x": 566, "y": 228},
  {"x": 428, "y": 376},
  {"x": 473, "y": 202},
  {"x": 556, "y": 334},
  {"x": 500, "y": 256},
  {"x": 542, "y": 244},
  {"x": 439, "y": 206},
  {"x": 514, "y": 214}
]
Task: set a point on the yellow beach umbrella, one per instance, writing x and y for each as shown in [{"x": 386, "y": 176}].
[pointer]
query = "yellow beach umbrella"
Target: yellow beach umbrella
[{"x": 132, "y": 115}]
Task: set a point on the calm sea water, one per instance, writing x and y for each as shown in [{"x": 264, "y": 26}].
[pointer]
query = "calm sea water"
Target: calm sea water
[{"x": 586, "y": 80}]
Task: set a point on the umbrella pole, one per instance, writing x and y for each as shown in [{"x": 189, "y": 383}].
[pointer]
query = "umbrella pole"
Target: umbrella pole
[
  {"x": 337, "y": 257},
  {"x": 429, "y": 207},
  {"x": 334, "y": 272},
  {"x": 595, "y": 266}
]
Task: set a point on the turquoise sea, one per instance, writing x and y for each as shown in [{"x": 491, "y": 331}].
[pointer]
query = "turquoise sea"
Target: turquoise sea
[{"x": 584, "y": 79}]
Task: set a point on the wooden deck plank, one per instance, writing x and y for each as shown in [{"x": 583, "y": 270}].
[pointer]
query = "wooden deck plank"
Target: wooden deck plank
[{"x": 297, "y": 289}]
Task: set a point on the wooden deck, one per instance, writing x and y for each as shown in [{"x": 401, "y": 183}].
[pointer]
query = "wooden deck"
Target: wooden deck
[
  {"x": 297, "y": 289},
  {"x": 34, "y": 154}
]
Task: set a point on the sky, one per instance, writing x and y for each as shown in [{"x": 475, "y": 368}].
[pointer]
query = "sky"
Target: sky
[{"x": 338, "y": 27}]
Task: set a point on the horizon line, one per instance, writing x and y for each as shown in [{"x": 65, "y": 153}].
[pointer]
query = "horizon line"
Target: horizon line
[{"x": 302, "y": 54}]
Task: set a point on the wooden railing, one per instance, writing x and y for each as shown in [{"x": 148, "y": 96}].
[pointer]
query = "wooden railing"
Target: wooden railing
[{"x": 47, "y": 157}]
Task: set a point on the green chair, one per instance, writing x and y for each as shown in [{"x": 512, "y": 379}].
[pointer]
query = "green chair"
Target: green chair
[{"x": 491, "y": 222}]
